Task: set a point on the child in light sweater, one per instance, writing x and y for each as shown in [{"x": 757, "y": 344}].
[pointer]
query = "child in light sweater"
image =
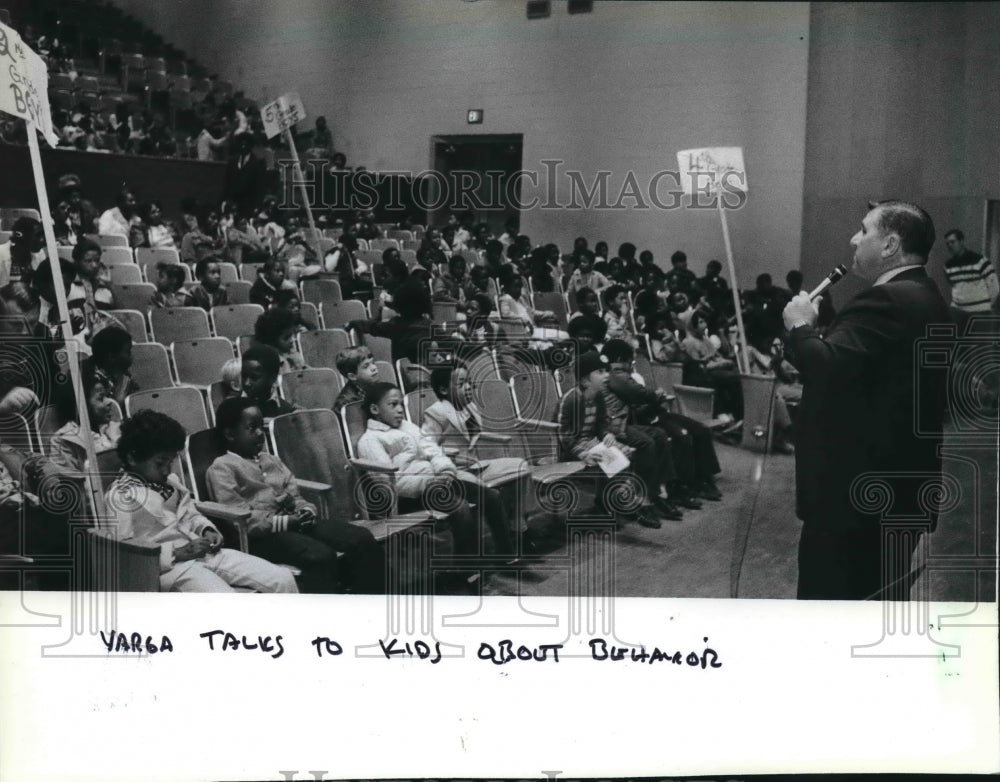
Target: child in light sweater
[
  {"x": 282, "y": 524},
  {"x": 426, "y": 477},
  {"x": 151, "y": 506}
]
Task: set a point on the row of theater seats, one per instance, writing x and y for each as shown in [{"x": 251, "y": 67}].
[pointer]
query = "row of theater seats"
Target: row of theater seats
[{"x": 320, "y": 448}]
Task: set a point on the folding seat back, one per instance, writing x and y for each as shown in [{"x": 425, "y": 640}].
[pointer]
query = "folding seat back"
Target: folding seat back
[
  {"x": 416, "y": 402},
  {"x": 119, "y": 256},
  {"x": 320, "y": 348},
  {"x": 184, "y": 404},
  {"x": 199, "y": 362},
  {"x": 339, "y": 314},
  {"x": 381, "y": 348},
  {"x": 239, "y": 291},
  {"x": 133, "y": 296},
  {"x": 151, "y": 366},
  {"x": 235, "y": 320},
  {"x": 321, "y": 291},
  {"x": 134, "y": 322},
  {"x": 125, "y": 274},
  {"x": 311, "y": 388},
  {"x": 174, "y": 324}
]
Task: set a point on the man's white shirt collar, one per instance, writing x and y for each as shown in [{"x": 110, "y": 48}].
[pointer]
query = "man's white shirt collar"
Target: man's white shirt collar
[{"x": 884, "y": 277}]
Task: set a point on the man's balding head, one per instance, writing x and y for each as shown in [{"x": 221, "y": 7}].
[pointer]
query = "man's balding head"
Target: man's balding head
[{"x": 910, "y": 223}]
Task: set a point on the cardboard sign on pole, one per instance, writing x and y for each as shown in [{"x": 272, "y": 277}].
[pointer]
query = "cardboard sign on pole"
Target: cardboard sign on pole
[
  {"x": 24, "y": 92},
  {"x": 24, "y": 83},
  {"x": 279, "y": 116},
  {"x": 711, "y": 170},
  {"x": 704, "y": 170}
]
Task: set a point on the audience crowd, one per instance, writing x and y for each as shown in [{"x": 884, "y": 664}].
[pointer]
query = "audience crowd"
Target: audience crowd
[{"x": 586, "y": 324}]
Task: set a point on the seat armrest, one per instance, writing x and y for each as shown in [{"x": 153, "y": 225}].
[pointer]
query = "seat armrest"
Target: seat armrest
[
  {"x": 237, "y": 521},
  {"x": 216, "y": 510},
  {"x": 370, "y": 466},
  {"x": 494, "y": 437},
  {"x": 123, "y": 565},
  {"x": 314, "y": 486},
  {"x": 319, "y": 494},
  {"x": 545, "y": 426}
]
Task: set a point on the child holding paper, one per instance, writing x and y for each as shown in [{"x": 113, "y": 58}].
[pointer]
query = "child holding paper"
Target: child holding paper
[{"x": 585, "y": 435}]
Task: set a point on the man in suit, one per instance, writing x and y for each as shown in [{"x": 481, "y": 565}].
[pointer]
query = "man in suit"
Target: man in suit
[{"x": 868, "y": 409}]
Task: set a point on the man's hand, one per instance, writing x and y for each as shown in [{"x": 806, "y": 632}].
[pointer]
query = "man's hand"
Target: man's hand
[
  {"x": 591, "y": 459},
  {"x": 800, "y": 312},
  {"x": 609, "y": 440}
]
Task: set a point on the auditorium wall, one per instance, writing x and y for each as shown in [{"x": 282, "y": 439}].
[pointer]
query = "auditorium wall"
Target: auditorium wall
[
  {"x": 165, "y": 179},
  {"x": 903, "y": 103},
  {"x": 621, "y": 89}
]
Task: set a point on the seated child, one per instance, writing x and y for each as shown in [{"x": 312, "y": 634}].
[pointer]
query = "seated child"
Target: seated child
[
  {"x": 585, "y": 276},
  {"x": 540, "y": 269},
  {"x": 479, "y": 282},
  {"x": 449, "y": 287},
  {"x": 302, "y": 259},
  {"x": 617, "y": 317},
  {"x": 259, "y": 374},
  {"x": 706, "y": 368},
  {"x": 170, "y": 291},
  {"x": 585, "y": 431},
  {"x": 587, "y": 303},
  {"x": 282, "y": 524},
  {"x": 514, "y": 305},
  {"x": 454, "y": 421},
  {"x": 111, "y": 358},
  {"x": 478, "y": 329},
  {"x": 587, "y": 331},
  {"x": 691, "y": 443},
  {"x": 231, "y": 376},
  {"x": 276, "y": 328},
  {"x": 289, "y": 300},
  {"x": 68, "y": 448},
  {"x": 422, "y": 467},
  {"x": 663, "y": 340},
  {"x": 209, "y": 292},
  {"x": 152, "y": 507},
  {"x": 357, "y": 364},
  {"x": 271, "y": 279}
]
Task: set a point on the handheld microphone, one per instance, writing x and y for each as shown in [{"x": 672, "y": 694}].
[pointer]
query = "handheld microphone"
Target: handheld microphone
[{"x": 833, "y": 277}]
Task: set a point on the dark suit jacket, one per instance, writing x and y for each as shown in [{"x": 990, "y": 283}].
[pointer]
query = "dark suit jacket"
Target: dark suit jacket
[{"x": 866, "y": 394}]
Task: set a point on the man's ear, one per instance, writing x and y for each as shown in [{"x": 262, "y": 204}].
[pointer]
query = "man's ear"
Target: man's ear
[{"x": 891, "y": 245}]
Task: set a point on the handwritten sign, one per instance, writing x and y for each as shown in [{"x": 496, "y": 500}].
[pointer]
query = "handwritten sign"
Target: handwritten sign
[
  {"x": 24, "y": 83},
  {"x": 281, "y": 114},
  {"x": 709, "y": 168}
]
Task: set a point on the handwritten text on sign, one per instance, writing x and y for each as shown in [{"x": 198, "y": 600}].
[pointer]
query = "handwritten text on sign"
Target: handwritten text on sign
[
  {"x": 281, "y": 114},
  {"x": 24, "y": 83},
  {"x": 712, "y": 167}
]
